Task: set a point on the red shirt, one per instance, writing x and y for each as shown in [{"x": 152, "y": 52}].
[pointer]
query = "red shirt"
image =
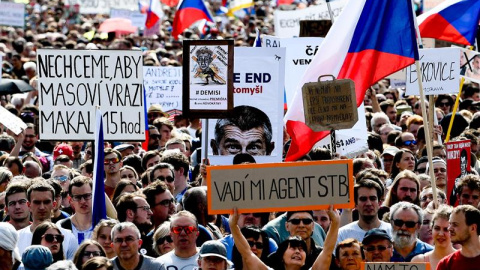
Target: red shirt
[{"x": 457, "y": 261}]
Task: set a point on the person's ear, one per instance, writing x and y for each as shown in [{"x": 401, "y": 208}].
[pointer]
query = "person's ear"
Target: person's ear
[
  {"x": 130, "y": 214},
  {"x": 213, "y": 145}
]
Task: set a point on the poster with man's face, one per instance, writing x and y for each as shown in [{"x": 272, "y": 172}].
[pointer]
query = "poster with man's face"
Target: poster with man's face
[
  {"x": 470, "y": 65},
  {"x": 253, "y": 132}
]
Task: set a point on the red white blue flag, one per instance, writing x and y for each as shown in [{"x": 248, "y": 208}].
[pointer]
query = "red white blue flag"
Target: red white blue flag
[{"x": 187, "y": 14}]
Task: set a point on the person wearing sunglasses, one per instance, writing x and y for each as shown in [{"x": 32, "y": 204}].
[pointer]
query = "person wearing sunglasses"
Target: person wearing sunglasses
[
  {"x": 162, "y": 241},
  {"x": 377, "y": 246},
  {"x": 406, "y": 218},
  {"x": 162, "y": 202},
  {"x": 88, "y": 249},
  {"x": 407, "y": 140},
  {"x": 49, "y": 235},
  {"x": 165, "y": 173},
  {"x": 112, "y": 164},
  {"x": 184, "y": 233}
]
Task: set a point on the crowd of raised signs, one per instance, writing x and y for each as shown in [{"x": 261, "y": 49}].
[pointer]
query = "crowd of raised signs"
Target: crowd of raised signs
[{"x": 156, "y": 195}]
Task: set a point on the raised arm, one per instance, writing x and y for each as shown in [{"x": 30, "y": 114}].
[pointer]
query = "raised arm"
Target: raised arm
[
  {"x": 251, "y": 260},
  {"x": 325, "y": 258}
]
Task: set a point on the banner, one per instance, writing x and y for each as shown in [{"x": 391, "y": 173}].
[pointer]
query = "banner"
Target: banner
[
  {"x": 138, "y": 19},
  {"x": 440, "y": 69},
  {"x": 102, "y": 6},
  {"x": 11, "y": 121},
  {"x": 395, "y": 266},
  {"x": 287, "y": 23},
  {"x": 277, "y": 187},
  {"x": 458, "y": 165},
  {"x": 12, "y": 14},
  {"x": 163, "y": 85},
  {"x": 299, "y": 52},
  {"x": 256, "y": 127},
  {"x": 72, "y": 83}
]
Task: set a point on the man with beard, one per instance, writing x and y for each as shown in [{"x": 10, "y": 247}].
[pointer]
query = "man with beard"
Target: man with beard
[
  {"x": 28, "y": 139},
  {"x": 405, "y": 187},
  {"x": 153, "y": 138},
  {"x": 133, "y": 207},
  {"x": 464, "y": 230},
  {"x": 367, "y": 194},
  {"x": 406, "y": 218},
  {"x": 468, "y": 190}
]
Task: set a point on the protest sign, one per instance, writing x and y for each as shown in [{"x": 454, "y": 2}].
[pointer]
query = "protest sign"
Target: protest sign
[
  {"x": 12, "y": 14},
  {"x": 11, "y": 121},
  {"x": 258, "y": 112},
  {"x": 298, "y": 55},
  {"x": 440, "y": 72},
  {"x": 72, "y": 83},
  {"x": 138, "y": 19},
  {"x": 398, "y": 79},
  {"x": 280, "y": 186},
  {"x": 287, "y": 23},
  {"x": 458, "y": 165},
  {"x": 395, "y": 266},
  {"x": 102, "y": 6},
  {"x": 163, "y": 85},
  {"x": 470, "y": 65}
]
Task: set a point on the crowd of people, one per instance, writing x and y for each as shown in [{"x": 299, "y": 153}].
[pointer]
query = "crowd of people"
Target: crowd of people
[{"x": 156, "y": 198}]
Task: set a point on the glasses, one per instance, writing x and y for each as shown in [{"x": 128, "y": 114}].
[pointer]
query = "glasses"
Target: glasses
[
  {"x": 444, "y": 104},
  {"x": 168, "y": 179},
  {"x": 53, "y": 237},
  {"x": 365, "y": 198},
  {"x": 162, "y": 240},
  {"x": 259, "y": 245},
  {"x": 78, "y": 198},
  {"x": 114, "y": 160},
  {"x": 61, "y": 178},
  {"x": 408, "y": 224},
  {"x": 92, "y": 254},
  {"x": 127, "y": 240},
  {"x": 166, "y": 202},
  {"x": 145, "y": 208},
  {"x": 380, "y": 248},
  {"x": 406, "y": 189},
  {"x": 296, "y": 221},
  {"x": 410, "y": 142},
  {"x": 186, "y": 229},
  {"x": 20, "y": 202}
]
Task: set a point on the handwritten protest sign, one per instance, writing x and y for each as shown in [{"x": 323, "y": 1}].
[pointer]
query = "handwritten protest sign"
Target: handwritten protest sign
[
  {"x": 72, "y": 83},
  {"x": 440, "y": 72},
  {"x": 138, "y": 19},
  {"x": 258, "y": 106},
  {"x": 298, "y": 55},
  {"x": 11, "y": 121},
  {"x": 395, "y": 266},
  {"x": 280, "y": 186},
  {"x": 12, "y": 14},
  {"x": 458, "y": 165},
  {"x": 102, "y": 6},
  {"x": 163, "y": 85},
  {"x": 287, "y": 23}
]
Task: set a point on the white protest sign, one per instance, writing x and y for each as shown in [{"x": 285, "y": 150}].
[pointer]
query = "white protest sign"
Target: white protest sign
[
  {"x": 12, "y": 14},
  {"x": 299, "y": 54},
  {"x": 395, "y": 266},
  {"x": 72, "y": 83},
  {"x": 163, "y": 85},
  {"x": 440, "y": 69},
  {"x": 102, "y": 6},
  {"x": 470, "y": 65},
  {"x": 11, "y": 121},
  {"x": 398, "y": 79},
  {"x": 138, "y": 19},
  {"x": 258, "y": 105},
  {"x": 287, "y": 23}
]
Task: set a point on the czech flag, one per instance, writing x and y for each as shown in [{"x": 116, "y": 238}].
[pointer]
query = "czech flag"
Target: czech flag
[
  {"x": 187, "y": 14},
  {"x": 99, "y": 210},
  {"x": 360, "y": 47},
  {"x": 453, "y": 20},
  {"x": 154, "y": 13}
]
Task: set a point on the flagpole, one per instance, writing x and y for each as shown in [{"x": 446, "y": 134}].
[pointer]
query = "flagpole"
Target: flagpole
[{"x": 330, "y": 10}]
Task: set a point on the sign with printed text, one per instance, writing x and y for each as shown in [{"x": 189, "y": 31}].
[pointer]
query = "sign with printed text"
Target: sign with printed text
[
  {"x": 12, "y": 14},
  {"x": 287, "y": 23},
  {"x": 138, "y": 19},
  {"x": 280, "y": 186},
  {"x": 11, "y": 121},
  {"x": 299, "y": 52},
  {"x": 255, "y": 126},
  {"x": 395, "y": 266},
  {"x": 163, "y": 85},
  {"x": 440, "y": 72},
  {"x": 71, "y": 83},
  {"x": 102, "y": 6},
  {"x": 458, "y": 165}
]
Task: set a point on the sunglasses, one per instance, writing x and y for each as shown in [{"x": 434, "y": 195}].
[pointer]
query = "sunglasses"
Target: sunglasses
[
  {"x": 145, "y": 208},
  {"x": 61, "y": 178},
  {"x": 162, "y": 240},
  {"x": 380, "y": 248},
  {"x": 92, "y": 253},
  {"x": 186, "y": 229},
  {"x": 444, "y": 104},
  {"x": 78, "y": 198},
  {"x": 53, "y": 237},
  {"x": 410, "y": 142},
  {"x": 259, "y": 245},
  {"x": 408, "y": 224},
  {"x": 296, "y": 221},
  {"x": 168, "y": 179},
  {"x": 166, "y": 202},
  {"x": 114, "y": 160}
]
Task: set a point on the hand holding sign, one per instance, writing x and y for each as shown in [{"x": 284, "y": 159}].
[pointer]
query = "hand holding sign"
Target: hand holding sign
[{"x": 233, "y": 218}]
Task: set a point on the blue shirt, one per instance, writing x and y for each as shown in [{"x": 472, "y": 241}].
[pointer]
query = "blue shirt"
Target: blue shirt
[{"x": 420, "y": 248}]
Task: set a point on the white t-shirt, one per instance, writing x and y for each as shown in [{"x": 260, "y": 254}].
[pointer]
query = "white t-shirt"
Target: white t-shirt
[
  {"x": 352, "y": 230},
  {"x": 70, "y": 244},
  {"x": 173, "y": 262}
]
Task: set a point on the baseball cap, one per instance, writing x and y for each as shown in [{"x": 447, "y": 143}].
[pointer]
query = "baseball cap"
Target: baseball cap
[
  {"x": 374, "y": 234},
  {"x": 37, "y": 257},
  {"x": 391, "y": 150},
  {"x": 214, "y": 248},
  {"x": 63, "y": 149}
]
